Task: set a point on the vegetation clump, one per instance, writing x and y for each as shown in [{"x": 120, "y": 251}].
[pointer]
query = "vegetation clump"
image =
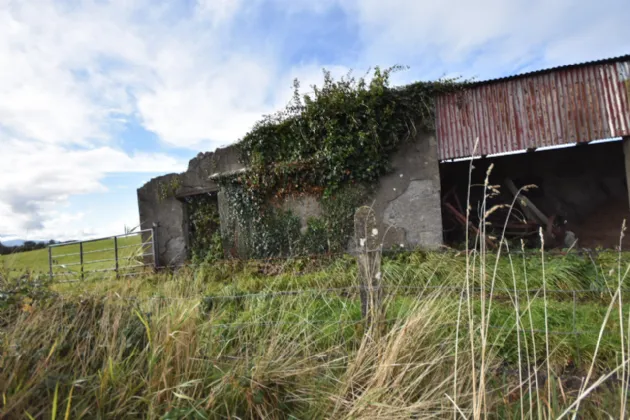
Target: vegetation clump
[
  {"x": 343, "y": 132},
  {"x": 204, "y": 228},
  {"x": 332, "y": 144},
  {"x": 25, "y": 247},
  {"x": 168, "y": 188}
]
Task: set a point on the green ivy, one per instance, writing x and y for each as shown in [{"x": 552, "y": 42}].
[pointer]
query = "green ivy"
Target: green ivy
[
  {"x": 204, "y": 228},
  {"x": 256, "y": 229},
  {"x": 344, "y": 132},
  {"x": 168, "y": 189},
  {"x": 315, "y": 239},
  {"x": 334, "y": 144}
]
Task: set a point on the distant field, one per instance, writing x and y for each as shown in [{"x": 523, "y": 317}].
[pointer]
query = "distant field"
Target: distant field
[{"x": 129, "y": 253}]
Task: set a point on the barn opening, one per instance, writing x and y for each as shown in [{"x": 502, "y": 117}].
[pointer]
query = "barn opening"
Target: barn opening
[
  {"x": 203, "y": 226},
  {"x": 580, "y": 194}
]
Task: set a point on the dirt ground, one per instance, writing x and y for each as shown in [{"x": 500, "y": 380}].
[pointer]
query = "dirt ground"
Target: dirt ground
[{"x": 602, "y": 228}]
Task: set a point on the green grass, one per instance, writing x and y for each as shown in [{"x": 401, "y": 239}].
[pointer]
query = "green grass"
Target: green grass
[
  {"x": 230, "y": 280},
  {"x": 183, "y": 344},
  {"x": 416, "y": 269},
  {"x": 129, "y": 248}
]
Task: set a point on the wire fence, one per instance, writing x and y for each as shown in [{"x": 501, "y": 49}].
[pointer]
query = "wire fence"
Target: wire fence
[
  {"x": 597, "y": 290},
  {"x": 569, "y": 333},
  {"x": 351, "y": 293},
  {"x": 122, "y": 263},
  {"x": 515, "y": 296}
]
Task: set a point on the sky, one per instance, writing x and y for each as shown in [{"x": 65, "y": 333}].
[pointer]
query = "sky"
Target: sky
[{"x": 97, "y": 97}]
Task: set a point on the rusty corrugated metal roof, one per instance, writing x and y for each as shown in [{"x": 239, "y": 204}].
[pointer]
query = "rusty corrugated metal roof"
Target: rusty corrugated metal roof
[
  {"x": 563, "y": 105},
  {"x": 550, "y": 69}
]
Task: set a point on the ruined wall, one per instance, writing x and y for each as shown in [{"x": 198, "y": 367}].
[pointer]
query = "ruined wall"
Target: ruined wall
[
  {"x": 304, "y": 208},
  {"x": 407, "y": 201},
  {"x": 168, "y": 215},
  {"x": 159, "y": 201},
  {"x": 196, "y": 180}
]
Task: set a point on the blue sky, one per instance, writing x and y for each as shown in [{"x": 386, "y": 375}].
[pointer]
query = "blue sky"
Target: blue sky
[{"x": 97, "y": 97}]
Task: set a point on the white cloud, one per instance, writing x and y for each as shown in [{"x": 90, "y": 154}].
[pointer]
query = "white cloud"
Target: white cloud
[
  {"x": 78, "y": 72},
  {"x": 73, "y": 72},
  {"x": 204, "y": 110},
  {"x": 38, "y": 178},
  {"x": 53, "y": 90},
  {"x": 218, "y": 11},
  {"x": 187, "y": 80},
  {"x": 487, "y": 38}
]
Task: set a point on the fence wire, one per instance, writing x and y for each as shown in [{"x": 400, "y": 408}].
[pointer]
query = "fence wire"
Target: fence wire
[
  {"x": 388, "y": 290},
  {"x": 287, "y": 260},
  {"x": 319, "y": 293}
]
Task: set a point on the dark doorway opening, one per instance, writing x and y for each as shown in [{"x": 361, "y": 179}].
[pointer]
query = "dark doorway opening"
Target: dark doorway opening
[
  {"x": 580, "y": 189},
  {"x": 204, "y": 227}
]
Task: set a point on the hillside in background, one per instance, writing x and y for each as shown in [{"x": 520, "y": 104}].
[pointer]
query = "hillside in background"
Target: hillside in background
[{"x": 13, "y": 242}]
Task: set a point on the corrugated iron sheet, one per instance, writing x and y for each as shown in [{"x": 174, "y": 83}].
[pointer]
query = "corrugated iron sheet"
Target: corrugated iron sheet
[{"x": 563, "y": 106}]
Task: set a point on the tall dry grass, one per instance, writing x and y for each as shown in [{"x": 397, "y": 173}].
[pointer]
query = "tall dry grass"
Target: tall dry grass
[
  {"x": 306, "y": 356},
  {"x": 440, "y": 352}
]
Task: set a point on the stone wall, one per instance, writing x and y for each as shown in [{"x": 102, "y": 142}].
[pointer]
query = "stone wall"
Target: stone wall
[
  {"x": 406, "y": 202},
  {"x": 196, "y": 180},
  {"x": 168, "y": 216},
  {"x": 161, "y": 205},
  {"x": 304, "y": 208}
]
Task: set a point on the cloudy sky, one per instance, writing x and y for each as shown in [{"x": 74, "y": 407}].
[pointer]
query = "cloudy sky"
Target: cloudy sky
[{"x": 97, "y": 97}]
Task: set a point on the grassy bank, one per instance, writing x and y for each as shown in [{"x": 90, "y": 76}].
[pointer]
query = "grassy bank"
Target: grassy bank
[{"x": 286, "y": 340}]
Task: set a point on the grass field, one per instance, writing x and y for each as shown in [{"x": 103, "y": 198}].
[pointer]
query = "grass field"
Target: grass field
[
  {"x": 228, "y": 340},
  {"x": 94, "y": 252}
]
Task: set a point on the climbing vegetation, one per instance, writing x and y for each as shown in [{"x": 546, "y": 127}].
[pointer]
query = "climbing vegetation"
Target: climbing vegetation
[
  {"x": 204, "y": 228},
  {"x": 258, "y": 229},
  {"x": 168, "y": 188},
  {"x": 334, "y": 144},
  {"x": 341, "y": 133}
]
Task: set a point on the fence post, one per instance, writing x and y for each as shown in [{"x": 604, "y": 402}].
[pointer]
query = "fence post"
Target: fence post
[
  {"x": 369, "y": 264},
  {"x": 50, "y": 262},
  {"x": 81, "y": 259},
  {"x": 116, "y": 254},
  {"x": 154, "y": 246}
]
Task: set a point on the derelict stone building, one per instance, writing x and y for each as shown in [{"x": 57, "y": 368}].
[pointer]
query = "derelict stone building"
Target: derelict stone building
[{"x": 508, "y": 123}]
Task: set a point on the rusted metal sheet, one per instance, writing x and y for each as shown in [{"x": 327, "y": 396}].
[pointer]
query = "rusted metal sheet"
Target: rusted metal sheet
[{"x": 561, "y": 106}]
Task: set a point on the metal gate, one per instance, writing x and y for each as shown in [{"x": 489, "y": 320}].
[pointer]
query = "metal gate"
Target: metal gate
[{"x": 124, "y": 255}]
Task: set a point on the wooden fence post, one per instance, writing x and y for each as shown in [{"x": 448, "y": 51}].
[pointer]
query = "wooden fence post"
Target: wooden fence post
[
  {"x": 154, "y": 247},
  {"x": 369, "y": 262},
  {"x": 116, "y": 255},
  {"x": 81, "y": 260},
  {"x": 50, "y": 263}
]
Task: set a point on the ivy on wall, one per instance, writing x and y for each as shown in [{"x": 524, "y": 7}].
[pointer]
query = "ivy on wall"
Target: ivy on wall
[
  {"x": 255, "y": 228},
  {"x": 342, "y": 133},
  {"x": 168, "y": 189},
  {"x": 334, "y": 144},
  {"x": 204, "y": 227}
]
